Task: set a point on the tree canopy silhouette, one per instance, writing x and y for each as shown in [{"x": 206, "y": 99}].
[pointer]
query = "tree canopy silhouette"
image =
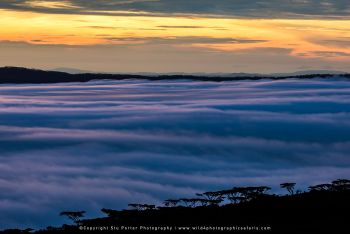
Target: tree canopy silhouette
[
  {"x": 289, "y": 187},
  {"x": 324, "y": 203},
  {"x": 73, "y": 215}
]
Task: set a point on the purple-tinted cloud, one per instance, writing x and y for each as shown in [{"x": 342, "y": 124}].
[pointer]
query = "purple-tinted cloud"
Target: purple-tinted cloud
[{"x": 106, "y": 144}]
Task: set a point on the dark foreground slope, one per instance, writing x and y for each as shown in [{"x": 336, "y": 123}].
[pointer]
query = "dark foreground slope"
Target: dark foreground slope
[
  {"x": 16, "y": 75},
  {"x": 324, "y": 212},
  {"x": 323, "y": 209}
]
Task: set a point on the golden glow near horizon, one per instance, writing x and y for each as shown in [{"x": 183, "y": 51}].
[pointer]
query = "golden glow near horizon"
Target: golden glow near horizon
[
  {"x": 325, "y": 39},
  {"x": 50, "y": 4}
]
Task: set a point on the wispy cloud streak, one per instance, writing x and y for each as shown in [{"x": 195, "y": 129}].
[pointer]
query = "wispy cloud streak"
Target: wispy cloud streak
[{"x": 230, "y": 8}]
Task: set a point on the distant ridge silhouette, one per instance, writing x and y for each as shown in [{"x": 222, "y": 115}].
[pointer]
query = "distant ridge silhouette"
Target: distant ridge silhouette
[{"x": 19, "y": 75}]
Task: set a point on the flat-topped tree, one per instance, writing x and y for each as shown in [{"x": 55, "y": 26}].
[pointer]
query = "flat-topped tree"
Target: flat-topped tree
[
  {"x": 142, "y": 207},
  {"x": 262, "y": 189},
  {"x": 233, "y": 195},
  {"x": 189, "y": 202},
  {"x": 185, "y": 201},
  {"x": 289, "y": 187},
  {"x": 111, "y": 213},
  {"x": 240, "y": 194},
  {"x": 194, "y": 202},
  {"x": 215, "y": 202},
  {"x": 203, "y": 202},
  {"x": 341, "y": 184},
  {"x": 213, "y": 195},
  {"x": 171, "y": 202},
  {"x": 321, "y": 187},
  {"x": 254, "y": 192},
  {"x": 73, "y": 215},
  {"x": 212, "y": 198}
]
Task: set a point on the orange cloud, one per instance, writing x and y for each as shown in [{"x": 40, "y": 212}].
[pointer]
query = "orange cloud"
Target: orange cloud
[{"x": 305, "y": 38}]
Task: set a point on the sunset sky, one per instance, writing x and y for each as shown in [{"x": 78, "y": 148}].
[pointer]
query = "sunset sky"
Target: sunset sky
[{"x": 262, "y": 36}]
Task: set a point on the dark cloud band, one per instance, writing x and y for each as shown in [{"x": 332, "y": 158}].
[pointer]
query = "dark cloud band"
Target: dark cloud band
[{"x": 229, "y": 8}]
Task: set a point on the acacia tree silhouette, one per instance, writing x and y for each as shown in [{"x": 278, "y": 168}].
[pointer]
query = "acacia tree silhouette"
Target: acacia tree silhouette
[
  {"x": 321, "y": 187},
  {"x": 188, "y": 202},
  {"x": 171, "y": 202},
  {"x": 141, "y": 207},
  {"x": 289, "y": 187},
  {"x": 110, "y": 212},
  {"x": 252, "y": 199},
  {"x": 73, "y": 215},
  {"x": 250, "y": 193},
  {"x": 212, "y": 198},
  {"x": 341, "y": 184}
]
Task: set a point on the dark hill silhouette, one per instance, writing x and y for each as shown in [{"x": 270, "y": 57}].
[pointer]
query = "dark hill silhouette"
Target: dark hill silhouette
[
  {"x": 323, "y": 208},
  {"x": 17, "y": 75}
]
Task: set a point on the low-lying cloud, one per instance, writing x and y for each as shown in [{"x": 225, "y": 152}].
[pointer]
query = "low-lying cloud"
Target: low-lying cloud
[{"x": 107, "y": 144}]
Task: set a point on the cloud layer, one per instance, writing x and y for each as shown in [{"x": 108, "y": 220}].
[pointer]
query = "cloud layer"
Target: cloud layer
[
  {"x": 231, "y": 8},
  {"x": 106, "y": 144}
]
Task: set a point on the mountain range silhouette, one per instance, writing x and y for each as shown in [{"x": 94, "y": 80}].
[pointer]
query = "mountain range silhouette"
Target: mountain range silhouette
[{"x": 18, "y": 75}]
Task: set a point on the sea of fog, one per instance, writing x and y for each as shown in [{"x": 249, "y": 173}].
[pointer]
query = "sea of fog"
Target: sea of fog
[{"x": 87, "y": 146}]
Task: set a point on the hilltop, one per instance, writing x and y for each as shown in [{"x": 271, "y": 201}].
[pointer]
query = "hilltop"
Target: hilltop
[{"x": 19, "y": 75}]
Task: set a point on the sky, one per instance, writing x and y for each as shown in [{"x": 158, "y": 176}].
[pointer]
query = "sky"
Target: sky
[
  {"x": 264, "y": 36},
  {"x": 106, "y": 144}
]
